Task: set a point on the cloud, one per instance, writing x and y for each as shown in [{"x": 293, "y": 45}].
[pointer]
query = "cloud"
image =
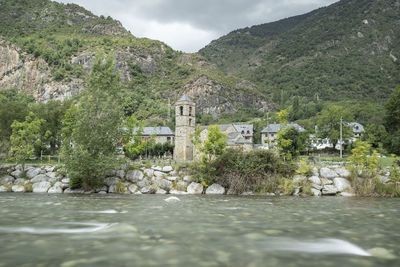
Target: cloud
[{"x": 190, "y": 25}]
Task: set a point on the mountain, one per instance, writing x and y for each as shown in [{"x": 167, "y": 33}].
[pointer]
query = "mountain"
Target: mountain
[
  {"x": 47, "y": 50},
  {"x": 349, "y": 50}
]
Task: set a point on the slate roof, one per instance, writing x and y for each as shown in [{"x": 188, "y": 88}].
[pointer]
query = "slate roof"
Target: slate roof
[
  {"x": 158, "y": 131},
  {"x": 246, "y": 128},
  {"x": 185, "y": 98},
  {"x": 275, "y": 127}
]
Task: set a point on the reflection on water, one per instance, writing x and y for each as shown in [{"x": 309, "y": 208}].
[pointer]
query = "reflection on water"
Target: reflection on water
[{"x": 145, "y": 230}]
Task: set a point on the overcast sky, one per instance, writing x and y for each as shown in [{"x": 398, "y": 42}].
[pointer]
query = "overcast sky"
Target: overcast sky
[{"x": 189, "y": 25}]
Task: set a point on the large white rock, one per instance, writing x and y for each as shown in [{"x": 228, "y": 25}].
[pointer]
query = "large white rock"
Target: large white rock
[
  {"x": 31, "y": 173},
  {"x": 143, "y": 183},
  {"x": 172, "y": 178},
  {"x": 177, "y": 192},
  {"x": 65, "y": 181},
  {"x": 17, "y": 173},
  {"x": 161, "y": 191},
  {"x": 111, "y": 181},
  {"x": 40, "y": 178},
  {"x": 341, "y": 184},
  {"x": 52, "y": 175},
  {"x": 120, "y": 173},
  {"x": 315, "y": 180},
  {"x": 18, "y": 188},
  {"x": 159, "y": 173},
  {"x": 134, "y": 176},
  {"x": 315, "y": 192},
  {"x": 162, "y": 183},
  {"x": 327, "y": 173},
  {"x": 167, "y": 169},
  {"x": 41, "y": 187},
  {"x": 157, "y": 168},
  {"x": 49, "y": 168},
  {"x": 133, "y": 188},
  {"x": 7, "y": 179},
  {"x": 342, "y": 172},
  {"x": 329, "y": 190},
  {"x": 383, "y": 179},
  {"x": 3, "y": 189},
  {"x": 55, "y": 190},
  {"x": 195, "y": 188},
  {"x": 315, "y": 172},
  {"x": 146, "y": 190},
  {"x": 325, "y": 181},
  {"x": 215, "y": 189}
]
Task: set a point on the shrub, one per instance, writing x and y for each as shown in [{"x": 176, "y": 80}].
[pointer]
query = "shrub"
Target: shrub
[
  {"x": 304, "y": 168},
  {"x": 257, "y": 170}
]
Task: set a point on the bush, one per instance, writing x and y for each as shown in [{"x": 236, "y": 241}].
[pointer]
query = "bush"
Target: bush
[{"x": 257, "y": 170}]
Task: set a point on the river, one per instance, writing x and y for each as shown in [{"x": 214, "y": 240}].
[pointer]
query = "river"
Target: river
[{"x": 145, "y": 230}]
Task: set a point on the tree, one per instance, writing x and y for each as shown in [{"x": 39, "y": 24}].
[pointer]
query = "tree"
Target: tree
[
  {"x": 133, "y": 144},
  {"x": 94, "y": 129},
  {"x": 329, "y": 124},
  {"x": 295, "y": 142},
  {"x": 213, "y": 146},
  {"x": 392, "y": 122},
  {"x": 25, "y": 135},
  {"x": 375, "y": 135}
]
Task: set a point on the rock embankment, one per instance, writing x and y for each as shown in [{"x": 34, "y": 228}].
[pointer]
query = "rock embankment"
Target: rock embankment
[{"x": 50, "y": 179}]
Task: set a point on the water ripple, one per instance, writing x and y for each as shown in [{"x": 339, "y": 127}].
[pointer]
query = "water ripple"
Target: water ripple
[{"x": 90, "y": 228}]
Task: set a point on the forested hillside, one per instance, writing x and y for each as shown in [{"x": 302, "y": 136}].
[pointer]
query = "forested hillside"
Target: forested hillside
[
  {"x": 47, "y": 50},
  {"x": 347, "y": 51}
]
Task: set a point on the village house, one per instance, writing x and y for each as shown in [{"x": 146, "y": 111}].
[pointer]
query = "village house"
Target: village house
[
  {"x": 269, "y": 133},
  {"x": 160, "y": 134}
]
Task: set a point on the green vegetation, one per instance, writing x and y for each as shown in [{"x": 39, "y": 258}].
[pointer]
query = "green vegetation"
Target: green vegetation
[
  {"x": 257, "y": 171},
  {"x": 213, "y": 146},
  {"x": 91, "y": 141}
]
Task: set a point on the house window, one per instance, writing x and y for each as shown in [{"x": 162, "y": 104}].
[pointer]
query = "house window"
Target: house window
[
  {"x": 190, "y": 122},
  {"x": 190, "y": 111},
  {"x": 248, "y": 132},
  {"x": 181, "y": 108},
  {"x": 169, "y": 139},
  {"x": 242, "y": 132}
]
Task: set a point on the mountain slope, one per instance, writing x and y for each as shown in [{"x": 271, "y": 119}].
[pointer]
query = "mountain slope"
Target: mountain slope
[
  {"x": 47, "y": 50},
  {"x": 349, "y": 50}
]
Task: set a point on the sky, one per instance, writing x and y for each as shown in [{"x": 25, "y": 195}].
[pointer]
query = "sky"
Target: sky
[{"x": 189, "y": 25}]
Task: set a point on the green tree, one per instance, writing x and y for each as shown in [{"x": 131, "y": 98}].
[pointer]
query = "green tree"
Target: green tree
[
  {"x": 329, "y": 124},
  {"x": 375, "y": 135},
  {"x": 94, "y": 129},
  {"x": 133, "y": 144},
  {"x": 392, "y": 122},
  {"x": 25, "y": 135},
  {"x": 213, "y": 146},
  {"x": 362, "y": 160}
]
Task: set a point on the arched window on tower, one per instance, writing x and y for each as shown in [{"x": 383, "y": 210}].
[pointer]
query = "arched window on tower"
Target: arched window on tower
[
  {"x": 190, "y": 111},
  {"x": 190, "y": 122},
  {"x": 181, "y": 108}
]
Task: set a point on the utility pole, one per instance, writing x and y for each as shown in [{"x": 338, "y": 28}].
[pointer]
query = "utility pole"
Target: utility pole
[
  {"x": 169, "y": 109},
  {"x": 341, "y": 137}
]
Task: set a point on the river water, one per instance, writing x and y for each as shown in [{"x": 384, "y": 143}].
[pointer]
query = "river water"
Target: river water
[{"x": 145, "y": 230}]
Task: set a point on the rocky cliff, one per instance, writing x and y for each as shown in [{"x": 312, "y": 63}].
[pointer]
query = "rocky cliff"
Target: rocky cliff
[{"x": 47, "y": 50}]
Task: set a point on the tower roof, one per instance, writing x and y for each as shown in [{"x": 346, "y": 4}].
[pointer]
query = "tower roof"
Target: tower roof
[{"x": 185, "y": 98}]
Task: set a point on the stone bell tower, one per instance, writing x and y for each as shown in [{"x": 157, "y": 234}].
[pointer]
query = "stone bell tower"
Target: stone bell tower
[{"x": 185, "y": 126}]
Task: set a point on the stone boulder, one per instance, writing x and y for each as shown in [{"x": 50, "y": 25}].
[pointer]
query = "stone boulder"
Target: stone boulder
[
  {"x": 315, "y": 172},
  {"x": 157, "y": 168},
  {"x": 65, "y": 181},
  {"x": 73, "y": 191},
  {"x": 20, "y": 181},
  {"x": 325, "y": 181},
  {"x": 177, "y": 192},
  {"x": 342, "y": 172},
  {"x": 161, "y": 191},
  {"x": 148, "y": 172},
  {"x": 215, "y": 189},
  {"x": 327, "y": 173},
  {"x": 18, "y": 188},
  {"x": 132, "y": 188},
  {"x": 49, "y": 168},
  {"x": 147, "y": 190},
  {"x": 315, "y": 180},
  {"x": 3, "y": 189},
  {"x": 120, "y": 173},
  {"x": 55, "y": 190},
  {"x": 111, "y": 181},
  {"x": 40, "y": 178},
  {"x": 41, "y": 187},
  {"x": 172, "y": 178},
  {"x": 329, "y": 190},
  {"x": 159, "y": 173},
  {"x": 167, "y": 169},
  {"x": 31, "y": 173},
  {"x": 187, "y": 178},
  {"x": 134, "y": 176},
  {"x": 195, "y": 189},
  {"x": 383, "y": 179},
  {"x": 7, "y": 179},
  {"x": 341, "y": 184},
  {"x": 316, "y": 192},
  {"x": 17, "y": 174},
  {"x": 162, "y": 183},
  {"x": 143, "y": 183}
]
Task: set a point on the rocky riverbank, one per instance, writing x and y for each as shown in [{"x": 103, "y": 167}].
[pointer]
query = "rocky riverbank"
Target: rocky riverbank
[{"x": 325, "y": 181}]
